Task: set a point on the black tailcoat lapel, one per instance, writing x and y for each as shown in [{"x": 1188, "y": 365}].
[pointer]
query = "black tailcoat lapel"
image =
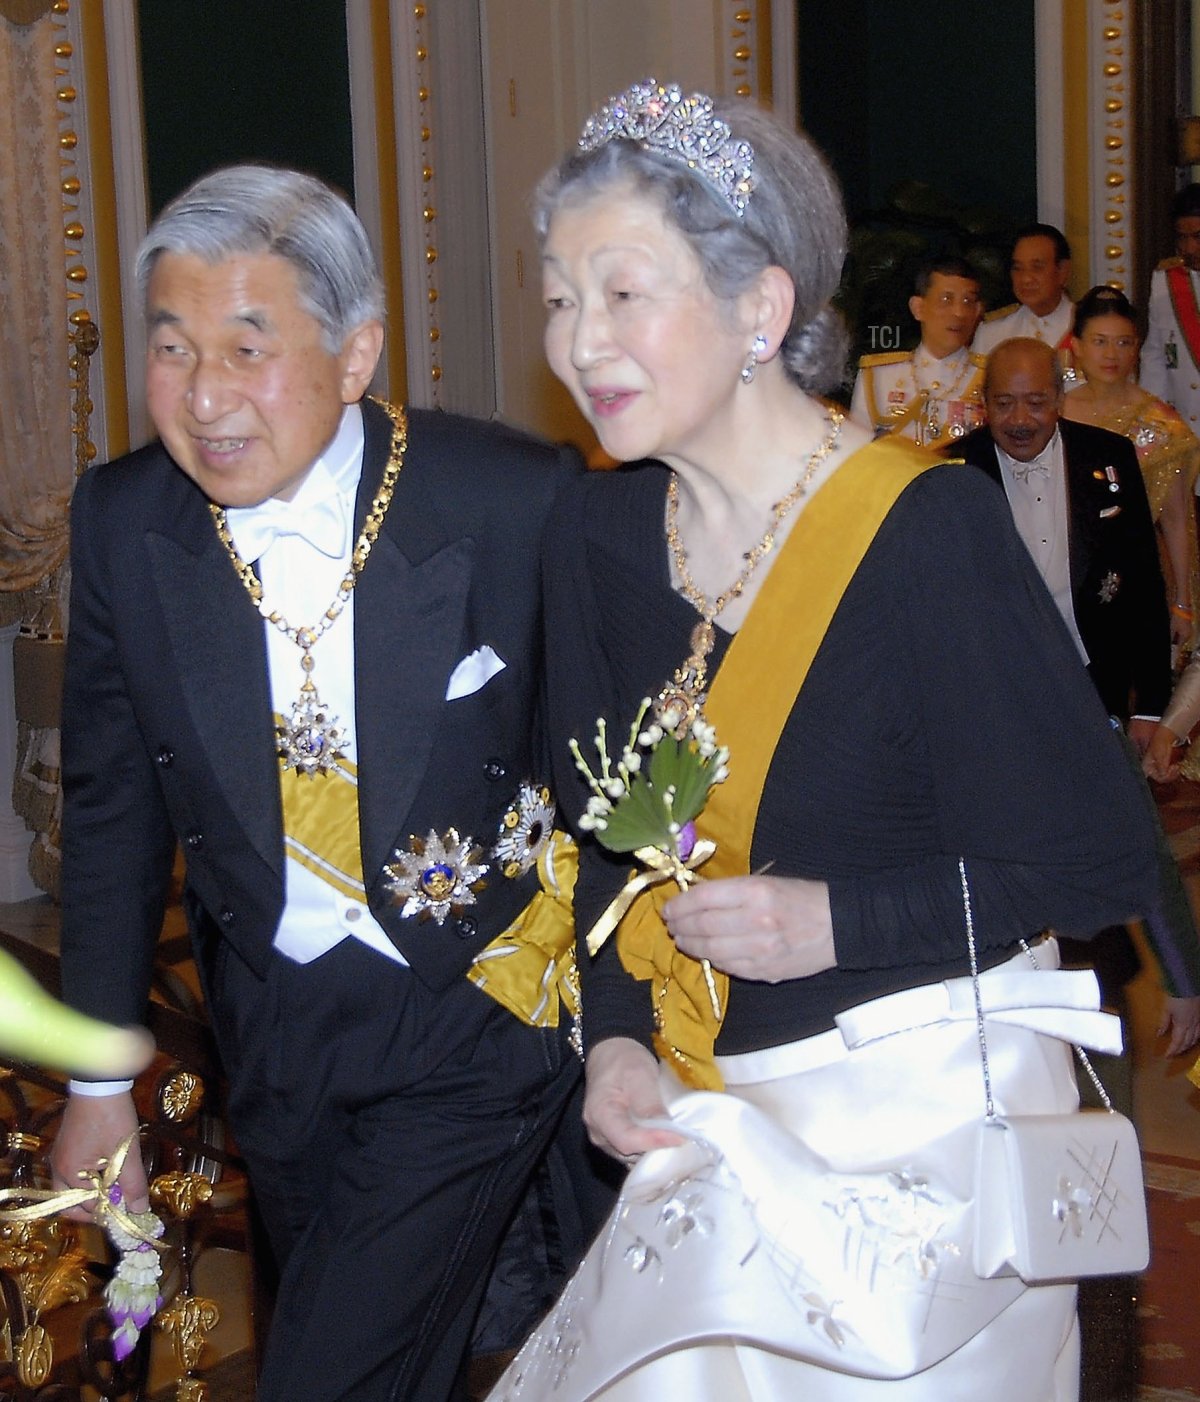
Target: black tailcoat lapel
[
  {"x": 1086, "y": 498},
  {"x": 219, "y": 649},
  {"x": 408, "y": 622}
]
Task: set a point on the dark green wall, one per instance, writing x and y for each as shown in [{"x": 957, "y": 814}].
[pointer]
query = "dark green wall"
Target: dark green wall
[
  {"x": 940, "y": 91},
  {"x": 226, "y": 81}
]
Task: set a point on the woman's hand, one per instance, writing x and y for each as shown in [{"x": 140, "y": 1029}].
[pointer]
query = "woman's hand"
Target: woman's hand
[
  {"x": 767, "y": 928},
  {"x": 622, "y": 1081},
  {"x": 1181, "y": 1022},
  {"x": 1162, "y": 756}
]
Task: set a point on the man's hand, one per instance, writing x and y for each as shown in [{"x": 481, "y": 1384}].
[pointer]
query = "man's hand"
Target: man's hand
[
  {"x": 767, "y": 928},
  {"x": 1181, "y": 1020},
  {"x": 622, "y": 1081},
  {"x": 94, "y": 1128}
]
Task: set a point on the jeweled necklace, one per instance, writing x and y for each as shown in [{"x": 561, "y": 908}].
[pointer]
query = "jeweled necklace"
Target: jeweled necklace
[
  {"x": 311, "y": 741},
  {"x": 682, "y": 698}
]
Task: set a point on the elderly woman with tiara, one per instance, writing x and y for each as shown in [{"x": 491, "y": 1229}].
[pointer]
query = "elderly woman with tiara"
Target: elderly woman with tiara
[{"x": 812, "y": 709}]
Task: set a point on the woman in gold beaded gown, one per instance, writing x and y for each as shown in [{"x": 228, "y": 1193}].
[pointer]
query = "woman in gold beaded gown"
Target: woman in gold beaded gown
[{"x": 1105, "y": 345}]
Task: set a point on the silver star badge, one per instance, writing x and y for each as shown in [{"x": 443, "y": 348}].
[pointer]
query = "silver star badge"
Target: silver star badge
[{"x": 436, "y": 875}]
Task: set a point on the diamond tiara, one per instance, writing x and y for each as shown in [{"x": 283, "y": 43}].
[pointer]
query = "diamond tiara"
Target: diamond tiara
[{"x": 659, "y": 118}]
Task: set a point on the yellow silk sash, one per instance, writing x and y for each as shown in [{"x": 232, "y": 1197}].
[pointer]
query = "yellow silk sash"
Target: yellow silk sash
[
  {"x": 749, "y": 703},
  {"x": 320, "y": 825},
  {"x": 530, "y": 967}
]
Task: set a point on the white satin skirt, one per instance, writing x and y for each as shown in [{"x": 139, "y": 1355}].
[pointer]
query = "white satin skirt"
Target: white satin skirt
[{"x": 812, "y": 1238}]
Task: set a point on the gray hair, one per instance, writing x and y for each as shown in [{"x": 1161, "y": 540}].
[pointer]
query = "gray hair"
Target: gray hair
[
  {"x": 794, "y": 220},
  {"x": 250, "y": 209}
]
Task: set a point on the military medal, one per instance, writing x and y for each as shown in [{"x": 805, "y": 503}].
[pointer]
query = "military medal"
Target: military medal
[{"x": 932, "y": 424}]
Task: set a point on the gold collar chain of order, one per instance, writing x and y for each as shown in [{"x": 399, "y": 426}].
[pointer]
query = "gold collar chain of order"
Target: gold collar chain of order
[
  {"x": 311, "y": 741},
  {"x": 682, "y": 699}
]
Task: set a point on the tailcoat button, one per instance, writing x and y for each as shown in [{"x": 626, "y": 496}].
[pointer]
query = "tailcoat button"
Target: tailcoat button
[
  {"x": 194, "y": 841},
  {"x": 495, "y": 769},
  {"x": 467, "y": 927},
  {"x": 166, "y": 757},
  {"x": 226, "y": 916}
]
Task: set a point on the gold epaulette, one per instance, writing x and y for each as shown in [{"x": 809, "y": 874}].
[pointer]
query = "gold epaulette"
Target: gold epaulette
[
  {"x": 870, "y": 362},
  {"x": 977, "y": 360},
  {"x": 996, "y": 314},
  {"x": 1173, "y": 262}
]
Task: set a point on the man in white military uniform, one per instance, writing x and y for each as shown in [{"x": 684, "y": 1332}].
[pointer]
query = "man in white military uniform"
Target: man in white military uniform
[
  {"x": 1171, "y": 353},
  {"x": 1040, "y": 269},
  {"x": 933, "y": 394}
]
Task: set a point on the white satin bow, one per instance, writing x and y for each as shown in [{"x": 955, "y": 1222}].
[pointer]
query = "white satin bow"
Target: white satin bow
[{"x": 322, "y": 524}]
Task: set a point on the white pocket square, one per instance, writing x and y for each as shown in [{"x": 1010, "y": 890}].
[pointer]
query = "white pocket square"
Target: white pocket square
[{"x": 474, "y": 671}]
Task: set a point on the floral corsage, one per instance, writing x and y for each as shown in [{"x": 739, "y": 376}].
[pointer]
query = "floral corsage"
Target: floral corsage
[
  {"x": 132, "y": 1296},
  {"x": 647, "y": 803}
]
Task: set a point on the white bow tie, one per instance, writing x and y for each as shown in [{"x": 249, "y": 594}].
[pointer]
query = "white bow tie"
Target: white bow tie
[
  {"x": 1023, "y": 471},
  {"x": 322, "y": 524}
]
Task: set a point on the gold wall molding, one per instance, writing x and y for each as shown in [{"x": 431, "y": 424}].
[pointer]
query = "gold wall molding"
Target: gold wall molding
[
  {"x": 746, "y": 40},
  {"x": 1112, "y": 67},
  {"x": 376, "y": 194},
  {"x": 417, "y": 103},
  {"x": 429, "y": 214},
  {"x": 81, "y": 331},
  {"x": 741, "y": 46}
]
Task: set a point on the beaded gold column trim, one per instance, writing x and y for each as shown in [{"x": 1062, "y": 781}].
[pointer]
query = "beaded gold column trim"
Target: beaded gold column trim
[
  {"x": 1112, "y": 65},
  {"x": 82, "y": 333},
  {"x": 420, "y": 19},
  {"x": 741, "y": 33}
]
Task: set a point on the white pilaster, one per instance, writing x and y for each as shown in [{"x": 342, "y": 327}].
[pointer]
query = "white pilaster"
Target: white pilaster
[
  {"x": 129, "y": 170},
  {"x": 1048, "y": 82}
]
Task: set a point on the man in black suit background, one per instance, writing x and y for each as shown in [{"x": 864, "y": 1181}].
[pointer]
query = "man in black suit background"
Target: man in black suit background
[
  {"x": 1079, "y": 502},
  {"x": 304, "y": 645}
]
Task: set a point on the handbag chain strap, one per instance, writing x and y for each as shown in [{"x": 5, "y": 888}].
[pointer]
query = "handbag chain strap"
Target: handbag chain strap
[{"x": 1085, "y": 1060}]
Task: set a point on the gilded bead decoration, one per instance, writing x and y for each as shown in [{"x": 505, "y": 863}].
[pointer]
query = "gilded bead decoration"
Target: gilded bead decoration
[
  {"x": 740, "y": 75},
  {"x": 82, "y": 334},
  {"x": 1111, "y": 142},
  {"x": 421, "y": 51}
]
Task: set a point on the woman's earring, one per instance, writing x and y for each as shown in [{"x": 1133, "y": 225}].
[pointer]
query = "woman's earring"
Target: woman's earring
[{"x": 751, "y": 365}]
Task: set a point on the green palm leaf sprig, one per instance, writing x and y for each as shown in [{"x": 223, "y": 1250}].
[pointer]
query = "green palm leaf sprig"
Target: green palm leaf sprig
[{"x": 652, "y": 794}]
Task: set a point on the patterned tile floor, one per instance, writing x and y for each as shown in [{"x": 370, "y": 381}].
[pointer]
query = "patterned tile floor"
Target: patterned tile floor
[
  {"x": 1166, "y": 1107},
  {"x": 1167, "y": 1110}
]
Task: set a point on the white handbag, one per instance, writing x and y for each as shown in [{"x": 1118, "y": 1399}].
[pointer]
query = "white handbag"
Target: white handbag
[{"x": 1057, "y": 1197}]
